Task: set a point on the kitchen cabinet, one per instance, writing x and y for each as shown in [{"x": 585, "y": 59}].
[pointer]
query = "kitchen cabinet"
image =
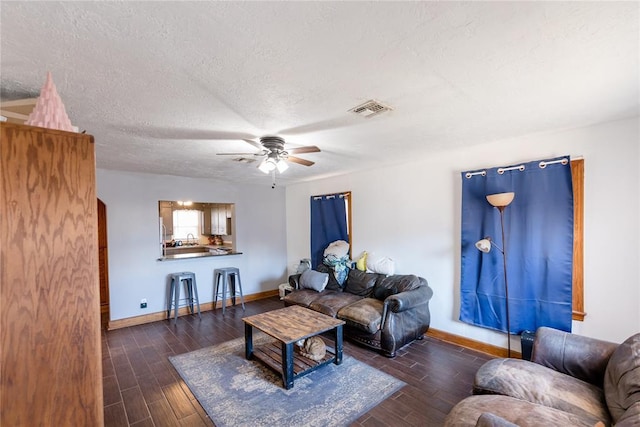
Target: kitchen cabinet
[
  {"x": 50, "y": 297},
  {"x": 218, "y": 220},
  {"x": 206, "y": 221},
  {"x": 229, "y": 215},
  {"x": 166, "y": 215},
  {"x": 221, "y": 219}
]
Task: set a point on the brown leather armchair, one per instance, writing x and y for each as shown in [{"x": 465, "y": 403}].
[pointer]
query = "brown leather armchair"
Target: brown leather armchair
[{"x": 571, "y": 380}]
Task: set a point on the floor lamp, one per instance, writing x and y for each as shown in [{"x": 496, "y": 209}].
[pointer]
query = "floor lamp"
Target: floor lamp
[{"x": 500, "y": 201}]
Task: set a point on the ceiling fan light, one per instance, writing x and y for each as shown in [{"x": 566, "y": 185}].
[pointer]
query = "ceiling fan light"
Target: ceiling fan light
[
  {"x": 282, "y": 165},
  {"x": 267, "y": 165}
]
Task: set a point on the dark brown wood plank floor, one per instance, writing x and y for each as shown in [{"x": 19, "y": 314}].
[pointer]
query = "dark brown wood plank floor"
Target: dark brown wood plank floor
[{"x": 141, "y": 387}]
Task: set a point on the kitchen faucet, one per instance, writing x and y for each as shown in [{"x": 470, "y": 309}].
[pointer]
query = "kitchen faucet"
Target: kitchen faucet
[{"x": 194, "y": 238}]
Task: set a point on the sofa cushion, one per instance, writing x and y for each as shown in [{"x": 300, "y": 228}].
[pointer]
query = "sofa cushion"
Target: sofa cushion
[
  {"x": 331, "y": 303},
  {"x": 538, "y": 384},
  {"x": 311, "y": 279},
  {"x": 360, "y": 283},
  {"x": 622, "y": 377},
  {"x": 581, "y": 357},
  {"x": 520, "y": 412},
  {"x": 392, "y": 285},
  {"x": 304, "y": 297},
  {"x": 365, "y": 314},
  {"x": 333, "y": 284}
]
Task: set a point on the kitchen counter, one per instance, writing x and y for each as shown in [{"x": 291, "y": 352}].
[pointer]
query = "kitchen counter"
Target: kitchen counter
[
  {"x": 196, "y": 251},
  {"x": 195, "y": 255}
]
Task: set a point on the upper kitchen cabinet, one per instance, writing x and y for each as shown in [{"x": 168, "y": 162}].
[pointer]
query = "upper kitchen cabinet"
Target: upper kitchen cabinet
[
  {"x": 221, "y": 216},
  {"x": 205, "y": 225}
]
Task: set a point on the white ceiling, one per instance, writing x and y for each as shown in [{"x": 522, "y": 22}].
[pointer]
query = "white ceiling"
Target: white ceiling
[{"x": 164, "y": 86}]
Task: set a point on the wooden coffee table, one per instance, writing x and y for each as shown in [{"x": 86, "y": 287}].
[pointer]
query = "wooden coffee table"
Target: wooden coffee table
[{"x": 288, "y": 325}]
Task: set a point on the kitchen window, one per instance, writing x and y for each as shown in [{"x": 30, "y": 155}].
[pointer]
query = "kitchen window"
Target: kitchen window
[{"x": 186, "y": 222}]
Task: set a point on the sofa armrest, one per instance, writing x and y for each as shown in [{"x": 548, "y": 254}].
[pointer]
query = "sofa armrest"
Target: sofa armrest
[
  {"x": 488, "y": 419},
  {"x": 409, "y": 299},
  {"x": 581, "y": 357},
  {"x": 294, "y": 281}
]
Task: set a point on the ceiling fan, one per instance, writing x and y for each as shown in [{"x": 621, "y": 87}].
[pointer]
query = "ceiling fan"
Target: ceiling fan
[{"x": 275, "y": 155}]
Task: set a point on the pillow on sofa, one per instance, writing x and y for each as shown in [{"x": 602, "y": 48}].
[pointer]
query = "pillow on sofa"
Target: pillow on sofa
[
  {"x": 361, "y": 264},
  {"x": 339, "y": 249},
  {"x": 311, "y": 279},
  {"x": 622, "y": 378},
  {"x": 333, "y": 284},
  {"x": 360, "y": 283},
  {"x": 380, "y": 265}
]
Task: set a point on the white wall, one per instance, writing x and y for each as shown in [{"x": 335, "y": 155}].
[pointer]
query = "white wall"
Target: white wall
[
  {"x": 411, "y": 213},
  {"x": 132, "y": 226}
]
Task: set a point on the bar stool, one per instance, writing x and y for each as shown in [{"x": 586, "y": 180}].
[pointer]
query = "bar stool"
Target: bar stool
[
  {"x": 173, "y": 299},
  {"x": 227, "y": 274}
]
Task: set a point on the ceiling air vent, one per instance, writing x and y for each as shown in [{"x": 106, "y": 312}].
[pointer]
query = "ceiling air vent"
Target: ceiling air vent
[{"x": 370, "y": 108}]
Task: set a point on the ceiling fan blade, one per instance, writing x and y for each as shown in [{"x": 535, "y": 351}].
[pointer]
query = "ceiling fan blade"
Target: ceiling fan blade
[
  {"x": 171, "y": 133},
  {"x": 254, "y": 143},
  {"x": 302, "y": 150},
  {"x": 239, "y": 154},
  {"x": 300, "y": 161}
]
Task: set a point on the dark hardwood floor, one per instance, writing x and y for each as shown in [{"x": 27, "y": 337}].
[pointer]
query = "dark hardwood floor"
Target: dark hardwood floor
[{"x": 141, "y": 387}]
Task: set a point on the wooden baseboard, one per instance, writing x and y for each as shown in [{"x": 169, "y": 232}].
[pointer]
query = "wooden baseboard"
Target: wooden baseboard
[
  {"x": 434, "y": 333},
  {"x": 472, "y": 344},
  {"x": 162, "y": 315}
]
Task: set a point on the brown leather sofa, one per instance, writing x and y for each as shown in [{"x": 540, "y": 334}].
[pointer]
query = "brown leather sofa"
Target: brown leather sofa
[
  {"x": 571, "y": 381},
  {"x": 380, "y": 312}
]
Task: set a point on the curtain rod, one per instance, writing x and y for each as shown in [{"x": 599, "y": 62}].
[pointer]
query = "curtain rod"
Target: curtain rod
[
  {"x": 343, "y": 194},
  {"x": 541, "y": 165}
]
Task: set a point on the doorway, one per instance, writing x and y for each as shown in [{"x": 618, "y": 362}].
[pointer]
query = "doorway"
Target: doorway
[{"x": 103, "y": 265}]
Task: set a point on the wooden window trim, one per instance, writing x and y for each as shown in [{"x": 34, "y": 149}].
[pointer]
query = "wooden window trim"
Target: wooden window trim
[{"x": 577, "y": 176}]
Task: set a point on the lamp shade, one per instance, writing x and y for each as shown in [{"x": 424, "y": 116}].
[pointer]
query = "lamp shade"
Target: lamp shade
[
  {"x": 282, "y": 165},
  {"x": 267, "y": 165},
  {"x": 484, "y": 245},
  {"x": 500, "y": 199}
]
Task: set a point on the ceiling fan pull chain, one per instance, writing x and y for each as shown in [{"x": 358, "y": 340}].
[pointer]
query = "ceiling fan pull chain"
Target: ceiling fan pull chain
[{"x": 273, "y": 176}]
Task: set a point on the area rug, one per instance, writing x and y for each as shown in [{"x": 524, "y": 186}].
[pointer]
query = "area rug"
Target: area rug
[{"x": 238, "y": 392}]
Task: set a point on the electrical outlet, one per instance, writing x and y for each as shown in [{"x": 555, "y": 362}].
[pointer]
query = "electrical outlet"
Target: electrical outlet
[{"x": 143, "y": 303}]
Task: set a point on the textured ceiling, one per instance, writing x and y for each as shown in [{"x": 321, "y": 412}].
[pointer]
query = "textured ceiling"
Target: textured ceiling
[{"x": 164, "y": 86}]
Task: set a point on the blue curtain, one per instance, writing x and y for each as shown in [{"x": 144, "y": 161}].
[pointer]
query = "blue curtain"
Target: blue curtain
[
  {"x": 328, "y": 224},
  {"x": 539, "y": 246}
]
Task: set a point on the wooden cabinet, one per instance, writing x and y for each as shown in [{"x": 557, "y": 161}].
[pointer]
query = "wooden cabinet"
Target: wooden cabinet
[
  {"x": 166, "y": 216},
  {"x": 221, "y": 219},
  {"x": 217, "y": 220},
  {"x": 51, "y": 364},
  {"x": 206, "y": 221}
]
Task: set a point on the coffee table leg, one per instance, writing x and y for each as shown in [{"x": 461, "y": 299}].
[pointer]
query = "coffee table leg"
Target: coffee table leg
[
  {"x": 248, "y": 341},
  {"x": 287, "y": 365},
  {"x": 338, "y": 340}
]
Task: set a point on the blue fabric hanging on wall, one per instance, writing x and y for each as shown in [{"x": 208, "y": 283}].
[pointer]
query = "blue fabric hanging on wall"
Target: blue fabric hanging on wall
[
  {"x": 539, "y": 246},
  {"x": 328, "y": 224}
]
